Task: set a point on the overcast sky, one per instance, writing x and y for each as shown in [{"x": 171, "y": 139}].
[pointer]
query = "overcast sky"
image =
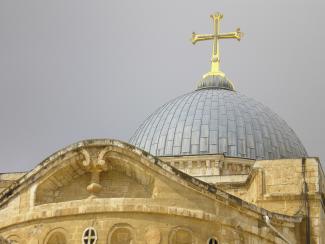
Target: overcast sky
[{"x": 72, "y": 70}]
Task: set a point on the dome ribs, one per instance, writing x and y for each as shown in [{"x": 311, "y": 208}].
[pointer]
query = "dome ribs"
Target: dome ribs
[{"x": 218, "y": 121}]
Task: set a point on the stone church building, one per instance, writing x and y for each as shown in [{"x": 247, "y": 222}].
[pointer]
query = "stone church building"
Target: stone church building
[{"x": 209, "y": 167}]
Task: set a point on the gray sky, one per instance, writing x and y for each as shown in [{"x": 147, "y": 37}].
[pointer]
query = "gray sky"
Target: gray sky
[{"x": 72, "y": 70}]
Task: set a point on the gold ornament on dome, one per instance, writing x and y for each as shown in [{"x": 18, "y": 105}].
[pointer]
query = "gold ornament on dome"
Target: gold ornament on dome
[{"x": 215, "y": 37}]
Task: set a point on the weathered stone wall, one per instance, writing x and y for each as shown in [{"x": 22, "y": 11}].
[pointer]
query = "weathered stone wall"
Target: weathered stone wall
[
  {"x": 175, "y": 208},
  {"x": 162, "y": 226},
  {"x": 278, "y": 185}
]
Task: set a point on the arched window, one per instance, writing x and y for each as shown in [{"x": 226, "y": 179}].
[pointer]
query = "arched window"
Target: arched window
[
  {"x": 89, "y": 236},
  {"x": 3, "y": 240},
  {"x": 181, "y": 236},
  {"x": 57, "y": 238},
  {"x": 212, "y": 241},
  {"x": 14, "y": 239},
  {"x": 121, "y": 235}
]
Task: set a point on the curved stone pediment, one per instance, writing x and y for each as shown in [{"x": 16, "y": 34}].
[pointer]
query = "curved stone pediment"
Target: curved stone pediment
[
  {"x": 120, "y": 180},
  {"x": 113, "y": 169},
  {"x": 95, "y": 172}
]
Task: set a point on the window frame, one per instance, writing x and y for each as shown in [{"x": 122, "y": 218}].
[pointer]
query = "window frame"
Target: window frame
[
  {"x": 84, "y": 233},
  {"x": 213, "y": 238}
]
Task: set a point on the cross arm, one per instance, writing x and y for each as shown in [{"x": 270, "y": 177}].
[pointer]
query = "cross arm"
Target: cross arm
[
  {"x": 232, "y": 35},
  {"x": 197, "y": 38},
  {"x": 204, "y": 37}
]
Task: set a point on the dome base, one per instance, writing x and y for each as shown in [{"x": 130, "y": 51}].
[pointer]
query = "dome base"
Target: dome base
[{"x": 216, "y": 81}]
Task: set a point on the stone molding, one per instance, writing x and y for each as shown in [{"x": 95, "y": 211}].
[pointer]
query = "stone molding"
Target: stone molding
[{"x": 210, "y": 165}]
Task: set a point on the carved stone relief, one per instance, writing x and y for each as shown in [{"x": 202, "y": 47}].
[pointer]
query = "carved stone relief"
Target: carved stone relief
[
  {"x": 95, "y": 173},
  {"x": 95, "y": 164}
]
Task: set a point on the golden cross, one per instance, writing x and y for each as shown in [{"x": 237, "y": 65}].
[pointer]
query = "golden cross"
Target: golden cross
[{"x": 216, "y": 36}]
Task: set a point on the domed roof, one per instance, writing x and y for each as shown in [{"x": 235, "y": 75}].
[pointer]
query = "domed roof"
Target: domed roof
[{"x": 217, "y": 121}]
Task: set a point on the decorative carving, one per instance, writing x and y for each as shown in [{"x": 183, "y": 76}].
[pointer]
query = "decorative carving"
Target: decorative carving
[
  {"x": 92, "y": 172},
  {"x": 95, "y": 164},
  {"x": 94, "y": 161}
]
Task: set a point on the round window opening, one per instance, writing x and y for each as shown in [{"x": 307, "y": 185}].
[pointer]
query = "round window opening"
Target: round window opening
[
  {"x": 89, "y": 236},
  {"x": 212, "y": 241}
]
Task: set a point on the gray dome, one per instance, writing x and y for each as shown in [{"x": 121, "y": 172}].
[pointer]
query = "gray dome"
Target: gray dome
[{"x": 217, "y": 121}]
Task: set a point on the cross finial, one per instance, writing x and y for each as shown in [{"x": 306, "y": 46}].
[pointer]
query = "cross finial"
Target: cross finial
[{"x": 215, "y": 37}]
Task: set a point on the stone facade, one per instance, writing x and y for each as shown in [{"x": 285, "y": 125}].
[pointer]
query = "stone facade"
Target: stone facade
[
  {"x": 293, "y": 187},
  {"x": 107, "y": 191}
]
